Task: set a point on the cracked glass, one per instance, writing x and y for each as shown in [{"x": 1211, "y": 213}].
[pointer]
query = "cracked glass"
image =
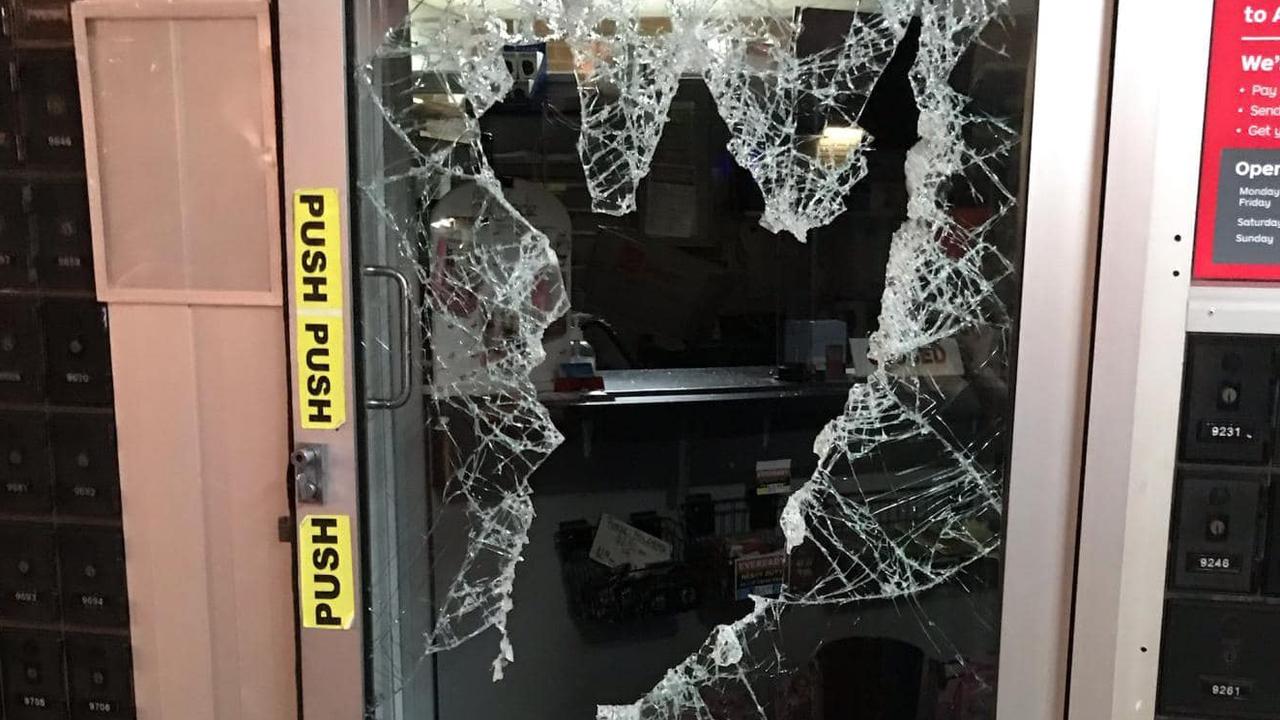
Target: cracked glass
[{"x": 715, "y": 307}]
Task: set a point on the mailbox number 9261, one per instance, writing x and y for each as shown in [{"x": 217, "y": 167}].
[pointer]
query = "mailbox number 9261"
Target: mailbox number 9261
[{"x": 1225, "y": 689}]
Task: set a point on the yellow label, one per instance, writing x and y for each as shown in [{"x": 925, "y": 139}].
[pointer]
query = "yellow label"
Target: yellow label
[
  {"x": 317, "y": 243},
  {"x": 327, "y": 593},
  {"x": 322, "y": 397},
  {"x": 320, "y": 346}
]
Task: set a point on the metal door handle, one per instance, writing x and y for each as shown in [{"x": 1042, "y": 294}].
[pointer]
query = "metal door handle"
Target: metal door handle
[{"x": 406, "y": 339}]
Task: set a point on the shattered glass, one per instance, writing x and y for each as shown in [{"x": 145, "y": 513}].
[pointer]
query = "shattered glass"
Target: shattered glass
[{"x": 904, "y": 502}]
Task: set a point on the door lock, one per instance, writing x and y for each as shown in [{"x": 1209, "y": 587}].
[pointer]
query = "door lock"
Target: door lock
[{"x": 308, "y": 463}]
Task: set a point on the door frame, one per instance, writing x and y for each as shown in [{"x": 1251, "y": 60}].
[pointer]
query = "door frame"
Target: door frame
[
  {"x": 1069, "y": 101},
  {"x": 1153, "y": 175},
  {"x": 1063, "y": 214},
  {"x": 313, "y": 107}
]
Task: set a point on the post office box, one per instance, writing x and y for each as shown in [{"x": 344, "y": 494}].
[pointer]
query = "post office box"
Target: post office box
[
  {"x": 86, "y": 473},
  {"x": 9, "y": 110},
  {"x": 1221, "y": 660},
  {"x": 28, "y": 573},
  {"x": 79, "y": 367},
  {"x": 25, "y": 463},
  {"x": 34, "y": 679},
  {"x": 91, "y": 571},
  {"x": 21, "y": 352},
  {"x": 1271, "y": 584},
  {"x": 49, "y": 99},
  {"x": 99, "y": 677},
  {"x": 1216, "y": 531},
  {"x": 42, "y": 20},
  {"x": 15, "y": 239},
  {"x": 1227, "y": 400},
  {"x": 60, "y": 221}
]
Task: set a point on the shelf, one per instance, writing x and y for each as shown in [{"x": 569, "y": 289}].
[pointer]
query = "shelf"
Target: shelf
[
  {"x": 695, "y": 385},
  {"x": 729, "y": 384}
]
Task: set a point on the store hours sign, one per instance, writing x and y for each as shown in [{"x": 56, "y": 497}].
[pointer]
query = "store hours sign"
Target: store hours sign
[{"x": 1238, "y": 218}]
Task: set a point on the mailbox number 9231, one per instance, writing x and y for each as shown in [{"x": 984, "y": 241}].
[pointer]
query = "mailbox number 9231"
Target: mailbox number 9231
[{"x": 1227, "y": 432}]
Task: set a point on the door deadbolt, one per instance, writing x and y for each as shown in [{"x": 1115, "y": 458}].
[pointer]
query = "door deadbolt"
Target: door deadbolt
[{"x": 308, "y": 463}]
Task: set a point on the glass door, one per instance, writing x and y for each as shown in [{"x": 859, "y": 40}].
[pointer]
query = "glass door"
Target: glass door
[{"x": 687, "y": 339}]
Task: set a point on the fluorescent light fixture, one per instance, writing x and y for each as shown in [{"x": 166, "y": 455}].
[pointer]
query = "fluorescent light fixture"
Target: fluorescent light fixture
[{"x": 843, "y": 134}]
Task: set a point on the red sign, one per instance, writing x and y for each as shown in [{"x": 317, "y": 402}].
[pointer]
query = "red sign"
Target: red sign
[{"x": 1238, "y": 218}]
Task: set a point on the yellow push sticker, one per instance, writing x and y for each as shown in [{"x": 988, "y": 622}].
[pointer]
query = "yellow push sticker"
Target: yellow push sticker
[
  {"x": 320, "y": 346},
  {"x": 327, "y": 593},
  {"x": 317, "y": 242},
  {"x": 322, "y": 397}
]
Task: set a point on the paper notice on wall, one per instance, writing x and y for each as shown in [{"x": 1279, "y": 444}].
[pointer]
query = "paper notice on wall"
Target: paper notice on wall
[
  {"x": 617, "y": 544},
  {"x": 671, "y": 210}
]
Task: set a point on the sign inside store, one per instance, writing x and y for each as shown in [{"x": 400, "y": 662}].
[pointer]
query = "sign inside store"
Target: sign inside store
[
  {"x": 319, "y": 341},
  {"x": 327, "y": 590},
  {"x": 1238, "y": 216}
]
